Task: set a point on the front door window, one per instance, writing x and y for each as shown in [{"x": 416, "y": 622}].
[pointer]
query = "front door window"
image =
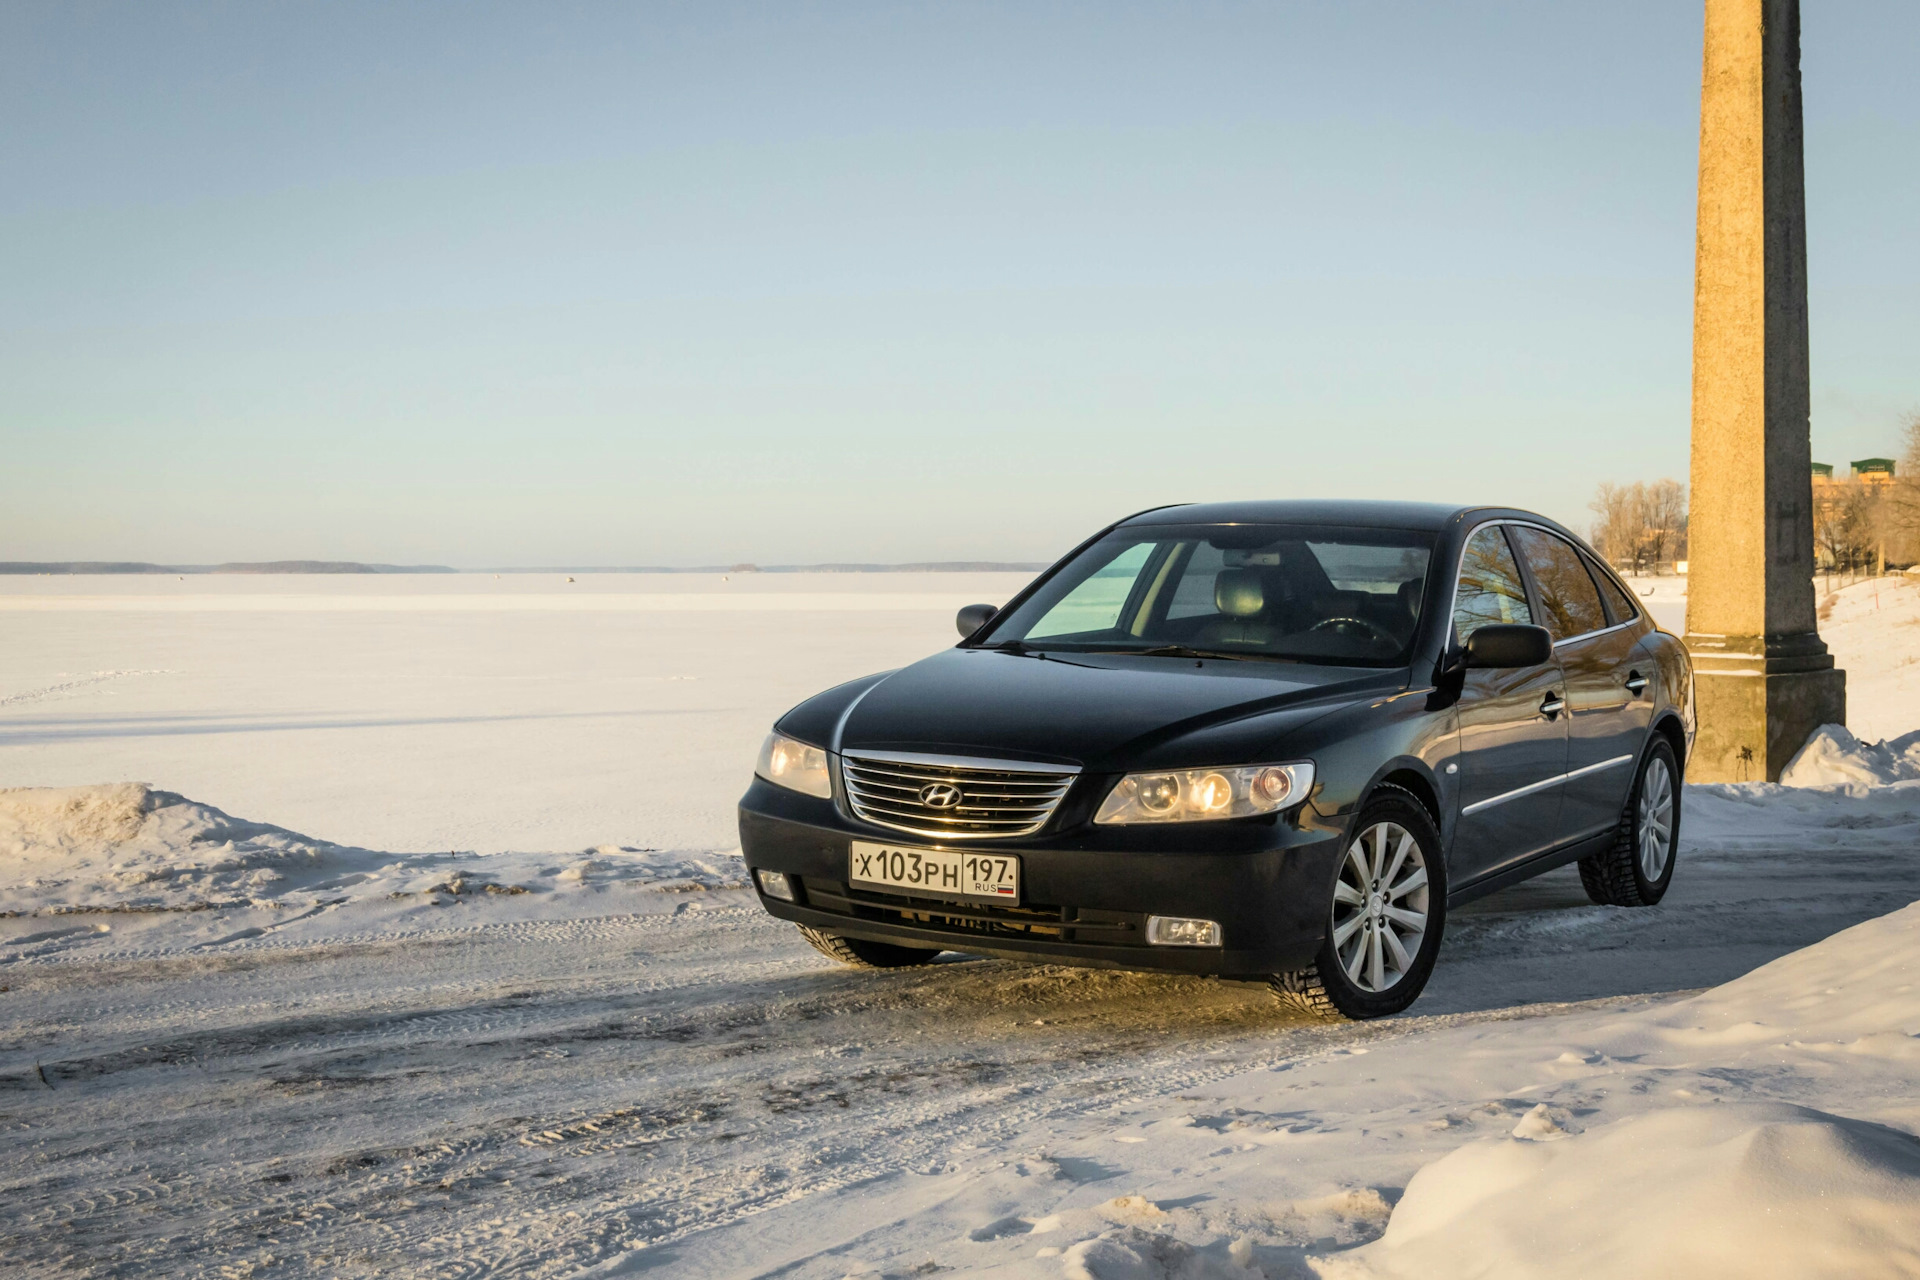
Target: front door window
[{"x": 1490, "y": 587}]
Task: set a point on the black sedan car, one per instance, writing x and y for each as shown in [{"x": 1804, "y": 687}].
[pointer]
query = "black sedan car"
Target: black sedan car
[{"x": 1259, "y": 739}]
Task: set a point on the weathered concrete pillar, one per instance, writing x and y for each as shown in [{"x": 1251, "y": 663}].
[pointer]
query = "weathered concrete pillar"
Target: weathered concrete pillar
[{"x": 1764, "y": 677}]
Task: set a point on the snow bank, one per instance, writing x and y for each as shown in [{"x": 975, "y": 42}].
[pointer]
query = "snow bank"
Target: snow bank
[
  {"x": 1755, "y": 1189},
  {"x": 1747, "y": 1189},
  {"x": 1834, "y": 757},
  {"x": 125, "y": 847}
]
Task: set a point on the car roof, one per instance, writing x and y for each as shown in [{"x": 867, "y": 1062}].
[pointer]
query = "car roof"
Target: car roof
[{"x": 1432, "y": 516}]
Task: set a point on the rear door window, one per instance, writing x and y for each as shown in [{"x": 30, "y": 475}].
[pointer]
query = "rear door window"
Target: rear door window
[
  {"x": 1490, "y": 588},
  {"x": 1567, "y": 594},
  {"x": 1620, "y": 606}
]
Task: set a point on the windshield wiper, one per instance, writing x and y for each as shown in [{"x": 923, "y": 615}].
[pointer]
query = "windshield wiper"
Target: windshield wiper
[
  {"x": 1187, "y": 651},
  {"x": 1017, "y": 648}
]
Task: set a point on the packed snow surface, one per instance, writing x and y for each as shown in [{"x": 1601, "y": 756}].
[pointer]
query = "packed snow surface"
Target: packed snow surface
[{"x": 226, "y": 1046}]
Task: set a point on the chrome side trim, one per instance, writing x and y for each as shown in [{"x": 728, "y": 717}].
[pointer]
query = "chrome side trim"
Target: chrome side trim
[
  {"x": 1585, "y": 636},
  {"x": 1544, "y": 783},
  {"x": 1614, "y": 763},
  {"x": 1515, "y": 794}
]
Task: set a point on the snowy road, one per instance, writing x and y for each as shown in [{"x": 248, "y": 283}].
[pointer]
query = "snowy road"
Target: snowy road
[{"x": 529, "y": 1097}]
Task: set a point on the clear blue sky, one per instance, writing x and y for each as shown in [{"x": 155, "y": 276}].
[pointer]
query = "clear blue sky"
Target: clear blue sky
[{"x": 493, "y": 284}]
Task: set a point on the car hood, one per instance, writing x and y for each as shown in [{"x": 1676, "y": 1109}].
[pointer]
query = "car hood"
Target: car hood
[{"x": 1101, "y": 712}]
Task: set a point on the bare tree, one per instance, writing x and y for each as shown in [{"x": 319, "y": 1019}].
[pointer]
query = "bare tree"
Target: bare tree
[
  {"x": 1621, "y": 520},
  {"x": 1641, "y": 526},
  {"x": 1665, "y": 507},
  {"x": 1846, "y": 526},
  {"x": 1900, "y": 506}
]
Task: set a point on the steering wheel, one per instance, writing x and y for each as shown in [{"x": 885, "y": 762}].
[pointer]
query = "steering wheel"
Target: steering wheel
[{"x": 1379, "y": 633}]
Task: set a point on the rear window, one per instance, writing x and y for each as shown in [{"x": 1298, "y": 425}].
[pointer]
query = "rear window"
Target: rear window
[{"x": 1620, "y": 605}]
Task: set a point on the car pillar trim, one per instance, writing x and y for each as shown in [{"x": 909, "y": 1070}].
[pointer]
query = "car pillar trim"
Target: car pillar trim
[{"x": 1544, "y": 783}]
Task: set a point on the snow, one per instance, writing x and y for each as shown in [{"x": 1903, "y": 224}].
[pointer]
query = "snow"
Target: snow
[
  {"x": 1833, "y": 757},
  {"x": 125, "y": 848},
  {"x": 1729, "y": 1187},
  {"x": 521, "y": 1018},
  {"x": 1749, "y": 1189},
  {"x": 1873, "y": 629}
]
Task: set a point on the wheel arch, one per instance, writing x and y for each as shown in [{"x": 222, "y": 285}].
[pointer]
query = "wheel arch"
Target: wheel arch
[
  {"x": 1669, "y": 727},
  {"x": 1411, "y": 775},
  {"x": 1418, "y": 785}
]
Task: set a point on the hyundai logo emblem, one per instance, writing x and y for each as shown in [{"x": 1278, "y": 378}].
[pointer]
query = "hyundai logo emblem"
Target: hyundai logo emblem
[{"x": 940, "y": 795}]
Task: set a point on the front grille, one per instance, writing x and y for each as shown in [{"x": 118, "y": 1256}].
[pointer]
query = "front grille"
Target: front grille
[{"x": 996, "y": 797}]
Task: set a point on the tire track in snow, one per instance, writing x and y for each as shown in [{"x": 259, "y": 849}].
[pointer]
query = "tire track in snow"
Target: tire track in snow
[{"x": 74, "y": 687}]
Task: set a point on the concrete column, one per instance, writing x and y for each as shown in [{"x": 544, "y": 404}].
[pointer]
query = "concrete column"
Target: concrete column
[{"x": 1764, "y": 678}]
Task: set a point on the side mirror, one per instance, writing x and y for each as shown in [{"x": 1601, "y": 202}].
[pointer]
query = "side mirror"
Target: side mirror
[
  {"x": 1509, "y": 645},
  {"x": 974, "y": 617}
]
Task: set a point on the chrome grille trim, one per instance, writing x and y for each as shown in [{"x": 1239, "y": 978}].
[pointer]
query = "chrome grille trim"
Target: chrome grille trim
[{"x": 999, "y": 798}]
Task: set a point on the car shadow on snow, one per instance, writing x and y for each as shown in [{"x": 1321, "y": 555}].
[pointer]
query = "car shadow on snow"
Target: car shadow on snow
[
  {"x": 1544, "y": 941},
  {"x": 1539, "y": 942}
]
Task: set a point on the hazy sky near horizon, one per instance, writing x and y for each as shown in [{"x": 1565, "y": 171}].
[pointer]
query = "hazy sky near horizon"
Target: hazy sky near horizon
[{"x": 499, "y": 284}]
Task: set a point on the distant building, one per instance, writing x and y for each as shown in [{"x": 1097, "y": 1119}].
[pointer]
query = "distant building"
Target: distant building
[{"x": 1850, "y": 530}]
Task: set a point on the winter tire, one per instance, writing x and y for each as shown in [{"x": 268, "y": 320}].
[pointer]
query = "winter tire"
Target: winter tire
[
  {"x": 1635, "y": 870},
  {"x": 862, "y": 954},
  {"x": 1389, "y": 905}
]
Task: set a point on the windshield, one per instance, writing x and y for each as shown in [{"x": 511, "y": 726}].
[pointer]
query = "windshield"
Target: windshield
[{"x": 1283, "y": 592}]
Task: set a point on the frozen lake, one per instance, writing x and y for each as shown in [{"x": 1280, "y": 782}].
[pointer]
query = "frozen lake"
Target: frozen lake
[{"x": 447, "y": 711}]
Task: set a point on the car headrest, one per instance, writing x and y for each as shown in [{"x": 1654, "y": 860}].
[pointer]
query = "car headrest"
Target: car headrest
[
  {"x": 1238, "y": 593},
  {"x": 1410, "y": 597}
]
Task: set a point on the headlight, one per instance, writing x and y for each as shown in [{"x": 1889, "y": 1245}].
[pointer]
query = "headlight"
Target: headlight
[
  {"x": 787, "y": 763},
  {"x": 1198, "y": 795}
]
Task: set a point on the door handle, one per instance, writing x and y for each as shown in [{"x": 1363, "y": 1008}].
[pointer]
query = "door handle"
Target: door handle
[
  {"x": 1635, "y": 683},
  {"x": 1553, "y": 705}
]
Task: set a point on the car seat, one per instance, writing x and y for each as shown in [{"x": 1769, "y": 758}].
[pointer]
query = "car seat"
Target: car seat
[{"x": 1241, "y": 596}]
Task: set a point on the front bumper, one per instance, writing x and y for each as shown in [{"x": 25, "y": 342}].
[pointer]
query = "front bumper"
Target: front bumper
[{"x": 1085, "y": 894}]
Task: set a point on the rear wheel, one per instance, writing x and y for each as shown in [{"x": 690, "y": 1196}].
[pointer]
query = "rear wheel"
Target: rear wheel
[
  {"x": 862, "y": 954},
  {"x": 1637, "y": 867},
  {"x": 1383, "y": 931}
]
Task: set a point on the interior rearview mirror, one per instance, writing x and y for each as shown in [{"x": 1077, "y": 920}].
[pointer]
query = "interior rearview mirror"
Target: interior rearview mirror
[
  {"x": 974, "y": 616},
  {"x": 1503, "y": 644}
]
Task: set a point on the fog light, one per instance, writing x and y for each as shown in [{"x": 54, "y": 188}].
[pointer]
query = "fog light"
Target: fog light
[
  {"x": 776, "y": 885},
  {"x": 1177, "y": 931}
]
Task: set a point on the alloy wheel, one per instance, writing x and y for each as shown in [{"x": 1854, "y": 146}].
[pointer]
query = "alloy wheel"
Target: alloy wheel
[
  {"x": 1380, "y": 906},
  {"x": 1654, "y": 820}
]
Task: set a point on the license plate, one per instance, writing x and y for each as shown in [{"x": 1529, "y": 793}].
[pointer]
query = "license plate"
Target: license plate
[{"x": 939, "y": 873}]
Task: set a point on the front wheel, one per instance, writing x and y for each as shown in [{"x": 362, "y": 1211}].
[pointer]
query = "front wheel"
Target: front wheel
[
  {"x": 862, "y": 954},
  {"x": 1389, "y": 906}
]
